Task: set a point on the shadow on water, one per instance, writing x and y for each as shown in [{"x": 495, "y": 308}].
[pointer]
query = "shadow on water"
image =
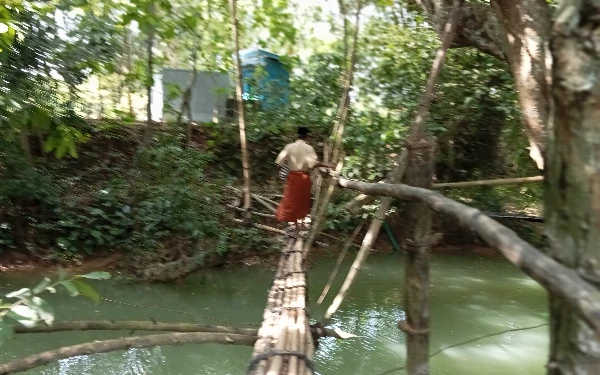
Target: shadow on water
[{"x": 471, "y": 297}]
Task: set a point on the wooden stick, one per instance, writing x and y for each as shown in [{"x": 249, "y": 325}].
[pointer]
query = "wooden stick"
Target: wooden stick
[
  {"x": 499, "y": 181},
  {"x": 96, "y": 347},
  {"x": 105, "y": 325},
  {"x": 273, "y": 230},
  {"x": 556, "y": 278},
  {"x": 259, "y": 198},
  {"x": 253, "y": 212},
  {"x": 363, "y": 199},
  {"x": 336, "y": 268}
]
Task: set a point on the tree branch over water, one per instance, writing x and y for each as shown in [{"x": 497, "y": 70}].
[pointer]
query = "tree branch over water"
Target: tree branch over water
[
  {"x": 134, "y": 326},
  {"x": 96, "y": 347}
]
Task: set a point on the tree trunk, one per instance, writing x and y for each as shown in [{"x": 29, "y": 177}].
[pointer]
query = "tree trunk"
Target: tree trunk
[
  {"x": 187, "y": 97},
  {"x": 240, "y": 104},
  {"x": 149, "y": 83},
  {"x": 417, "y": 242},
  {"x": 516, "y": 31},
  {"x": 527, "y": 28},
  {"x": 572, "y": 182}
]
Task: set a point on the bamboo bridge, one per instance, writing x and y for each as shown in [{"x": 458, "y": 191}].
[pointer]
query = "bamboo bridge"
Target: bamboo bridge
[{"x": 285, "y": 343}]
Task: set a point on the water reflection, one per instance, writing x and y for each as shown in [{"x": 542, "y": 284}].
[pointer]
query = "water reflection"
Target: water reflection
[{"x": 471, "y": 297}]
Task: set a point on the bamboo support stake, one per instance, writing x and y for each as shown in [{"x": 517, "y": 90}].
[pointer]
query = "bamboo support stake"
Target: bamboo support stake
[
  {"x": 347, "y": 245},
  {"x": 416, "y": 131},
  {"x": 253, "y": 212},
  {"x": 499, "y": 181},
  {"x": 338, "y": 132}
]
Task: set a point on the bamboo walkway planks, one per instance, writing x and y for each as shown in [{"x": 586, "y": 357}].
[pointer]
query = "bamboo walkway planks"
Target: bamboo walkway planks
[{"x": 285, "y": 344}]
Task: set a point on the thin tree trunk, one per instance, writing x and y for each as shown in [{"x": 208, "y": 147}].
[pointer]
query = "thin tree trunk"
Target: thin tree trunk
[
  {"x": 150, "y": 70},
  {"x": 187, "y": 97},
  {"x": 240, "y": 104},
  {"x": 105, "y": 346},
  {"x": 417, "y": 128},
  {"x": 572, "y": 184},
  {"x": 129, "y": 64}
]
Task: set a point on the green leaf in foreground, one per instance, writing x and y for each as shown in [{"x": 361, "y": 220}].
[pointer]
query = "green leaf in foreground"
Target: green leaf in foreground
[
  {"x": 70, "y": 287},
  {"x": 44, "y": 311},
  {"x": 21, "y": 293},
  {"x": 24, "y": 315},
  {"x": 99, "y": 275},
  {"x": 5, "y": 332},
  {"x": 43, "y": 285},
  {"x": 87, "y": 290}
]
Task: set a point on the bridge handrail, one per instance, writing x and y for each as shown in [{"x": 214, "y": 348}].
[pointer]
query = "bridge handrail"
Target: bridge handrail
[{"x": 558, "y": 279}]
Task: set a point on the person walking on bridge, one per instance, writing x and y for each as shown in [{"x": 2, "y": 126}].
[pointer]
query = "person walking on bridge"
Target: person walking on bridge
[{"x": 299, "y": 158}]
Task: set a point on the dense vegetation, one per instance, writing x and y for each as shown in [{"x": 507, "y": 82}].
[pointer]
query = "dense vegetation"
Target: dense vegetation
[{"x": 79, "y": 177}]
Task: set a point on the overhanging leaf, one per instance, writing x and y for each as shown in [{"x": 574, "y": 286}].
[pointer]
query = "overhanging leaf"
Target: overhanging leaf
[
  {"x": 87, "y": 290},
  {"x": 21, "y": 293},
  {"x": 44, "y": 311},
  {"x": 24, "y": 315},
  {"x": 70, "y": 287},
  {"x": 98, "y": 275},
  {"x": 42, "y": 286}
]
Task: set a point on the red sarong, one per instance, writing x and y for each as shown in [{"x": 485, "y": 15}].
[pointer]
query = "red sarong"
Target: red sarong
[{"x": 295, "y": 204}]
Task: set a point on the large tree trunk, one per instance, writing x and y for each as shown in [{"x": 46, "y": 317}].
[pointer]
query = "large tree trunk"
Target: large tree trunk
[
  {"x": 516, "y": 31},
  {"x": 572, "y": 182},
  {"x": 417, "y": 241},
  {"x": 240, "y": 104}
]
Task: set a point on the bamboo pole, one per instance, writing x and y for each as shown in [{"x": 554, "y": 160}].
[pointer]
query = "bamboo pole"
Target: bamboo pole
[
  {"x": 363, "y": 199},
  {"x": 253, "y": 213},
  {"x": 495, "y": 182},
  {"x": 338, "y": 132},
  {"x": 417, "y": 129},
  {"x": 336, "y": 268}
]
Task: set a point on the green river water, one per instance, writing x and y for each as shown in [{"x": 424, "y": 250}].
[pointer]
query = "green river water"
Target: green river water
[{"x": 471, "y": 297}]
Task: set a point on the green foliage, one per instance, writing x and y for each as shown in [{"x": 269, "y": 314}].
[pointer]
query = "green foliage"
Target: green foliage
[{"x": 26, "y": 308}]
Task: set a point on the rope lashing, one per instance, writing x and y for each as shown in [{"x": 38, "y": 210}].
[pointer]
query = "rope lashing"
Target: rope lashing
[{"x": 261, "y": 357}]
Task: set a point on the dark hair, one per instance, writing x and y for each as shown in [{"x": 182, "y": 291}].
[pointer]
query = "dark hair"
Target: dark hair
[{"x": 303, "y": 132}]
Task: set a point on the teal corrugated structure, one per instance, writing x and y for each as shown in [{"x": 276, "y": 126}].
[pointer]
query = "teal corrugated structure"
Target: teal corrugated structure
[{"x": 272, "y": 82}]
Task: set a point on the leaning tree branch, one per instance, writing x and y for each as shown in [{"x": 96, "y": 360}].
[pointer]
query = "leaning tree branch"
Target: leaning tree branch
[
  {"x": 556, "y": 278},
  {"x": 96, "y": 347}
]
